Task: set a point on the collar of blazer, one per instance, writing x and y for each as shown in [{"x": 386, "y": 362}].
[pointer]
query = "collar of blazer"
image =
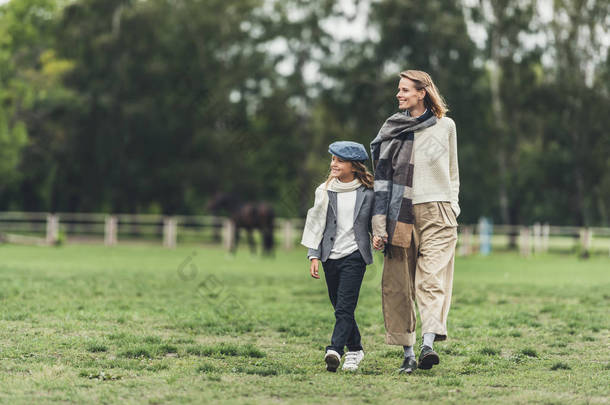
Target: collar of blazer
[{"x": 332, "y": 199}]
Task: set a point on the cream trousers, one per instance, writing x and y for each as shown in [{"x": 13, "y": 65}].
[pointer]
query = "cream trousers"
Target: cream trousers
[{"x": 422, "y": 273}]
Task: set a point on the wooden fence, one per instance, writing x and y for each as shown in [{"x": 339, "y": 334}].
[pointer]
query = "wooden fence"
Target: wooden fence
[
  {"x": 111, "y": 229},
  {"x": 48, "y": 229},
  {"x": 537, "y": 238}
]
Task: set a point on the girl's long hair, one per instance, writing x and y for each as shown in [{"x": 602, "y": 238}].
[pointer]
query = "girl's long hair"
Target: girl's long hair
[
  {"x": 361, "y": 173},
  {"x": 433, "y": 99}
]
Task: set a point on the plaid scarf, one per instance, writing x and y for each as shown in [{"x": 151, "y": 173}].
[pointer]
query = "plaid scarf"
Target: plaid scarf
[
  {"x": 392, "y": 156},
  {"x": 315, "y": 224}
]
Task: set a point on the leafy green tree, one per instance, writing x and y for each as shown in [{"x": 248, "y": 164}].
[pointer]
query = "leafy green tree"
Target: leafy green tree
[
  {"x": 429, "y": 36},
  {"x": 30, "y": 91},
  {"x": 154, "y": 106}
]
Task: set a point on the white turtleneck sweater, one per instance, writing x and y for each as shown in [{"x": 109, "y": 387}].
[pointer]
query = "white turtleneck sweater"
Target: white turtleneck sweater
[
  {"x": 436, "y": 176},
  {"x": 345, "y": 240}
]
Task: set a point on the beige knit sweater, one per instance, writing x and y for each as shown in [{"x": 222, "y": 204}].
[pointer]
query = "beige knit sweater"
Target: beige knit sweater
[{"x": 436, "y": 176}]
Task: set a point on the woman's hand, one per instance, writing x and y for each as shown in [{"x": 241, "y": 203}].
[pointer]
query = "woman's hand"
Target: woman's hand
[
  {"x": 313, "y": 268},
  {"x": 378, "y": 242}
]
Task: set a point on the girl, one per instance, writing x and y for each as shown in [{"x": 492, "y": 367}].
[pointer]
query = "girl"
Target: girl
[
  {"x": 416, "y": 205},
  {"x": 339, "y": 237}
]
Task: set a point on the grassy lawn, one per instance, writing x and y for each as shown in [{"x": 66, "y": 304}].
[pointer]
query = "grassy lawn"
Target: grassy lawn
[{"x": 140, "y": 324}]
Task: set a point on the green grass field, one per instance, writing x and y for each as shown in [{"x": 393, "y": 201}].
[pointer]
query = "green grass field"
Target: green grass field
[{"x": 140, "y": 324}]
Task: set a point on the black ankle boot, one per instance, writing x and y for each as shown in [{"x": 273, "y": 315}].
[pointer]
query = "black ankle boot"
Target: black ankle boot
[
  {"x": 409, "y": 365},
  {"x": 427, "y": 358}
]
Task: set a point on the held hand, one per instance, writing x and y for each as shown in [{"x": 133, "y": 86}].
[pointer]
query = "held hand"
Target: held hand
[
  {"x": 378, "y": 242},
  {"x": 313, "y": 268}
]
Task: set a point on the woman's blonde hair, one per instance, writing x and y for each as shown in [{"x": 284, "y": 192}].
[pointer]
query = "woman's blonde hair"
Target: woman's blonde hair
[
  {"x": 360, "y": 172},
  {"x": 433, "y": 99}
]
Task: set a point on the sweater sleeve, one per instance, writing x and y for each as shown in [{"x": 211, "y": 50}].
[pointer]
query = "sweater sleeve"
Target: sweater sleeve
[{"x": 454, "y": 173}]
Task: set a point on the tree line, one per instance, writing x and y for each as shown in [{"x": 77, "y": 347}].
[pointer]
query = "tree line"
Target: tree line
[{"x": 154, "y": 106}]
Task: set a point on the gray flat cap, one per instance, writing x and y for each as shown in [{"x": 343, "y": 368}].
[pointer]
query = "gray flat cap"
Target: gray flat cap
[{"x": 348, "y": 150}]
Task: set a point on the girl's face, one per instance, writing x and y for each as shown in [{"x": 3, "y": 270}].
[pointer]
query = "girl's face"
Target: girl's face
[
  {"x": 408, "y": 96},
  {"x": 341, "y": 169}
]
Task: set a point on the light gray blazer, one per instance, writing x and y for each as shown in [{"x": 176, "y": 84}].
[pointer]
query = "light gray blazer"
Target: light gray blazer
[{"x": 362, "y": 225}]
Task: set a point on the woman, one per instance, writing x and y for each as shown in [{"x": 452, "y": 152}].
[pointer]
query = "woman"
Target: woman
[{"x": 416, "y": 206}]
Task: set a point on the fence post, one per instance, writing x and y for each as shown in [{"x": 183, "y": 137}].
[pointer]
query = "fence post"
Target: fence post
[
  {"x": 524, "y": 241},
  {"x": 546, "y": 232},
  {"x": 466, "y": 241},
  {"x": 288, "y": 232},
  {"x": 586, "y": 239},
  {"x": 52, "y": 229},
  {"x": 228, "y": 234},
  {"x": 110, "y": 230},
  {"x": 170, "y": 232},
  {"x": 537, "y": 238}
]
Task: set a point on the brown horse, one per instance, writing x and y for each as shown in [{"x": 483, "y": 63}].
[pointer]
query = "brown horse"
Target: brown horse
[{"x": 249, "y": 216}]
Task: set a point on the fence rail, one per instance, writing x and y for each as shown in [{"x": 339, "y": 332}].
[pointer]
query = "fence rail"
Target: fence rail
[{"x": 44, "y": 228}]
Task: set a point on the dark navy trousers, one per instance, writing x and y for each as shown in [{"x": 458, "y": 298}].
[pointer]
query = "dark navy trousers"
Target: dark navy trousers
[{"x": 343, "y": 279}]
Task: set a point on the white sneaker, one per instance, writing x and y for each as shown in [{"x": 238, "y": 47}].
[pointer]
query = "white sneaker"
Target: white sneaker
[
  {"x": 352, "y": 360},
  {"x": 332, "y": 360}
]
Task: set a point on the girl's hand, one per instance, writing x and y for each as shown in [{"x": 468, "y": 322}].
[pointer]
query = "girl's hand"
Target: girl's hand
[
  {"x": 313, "y": 268},
  {"x": 378, "y": 242}
]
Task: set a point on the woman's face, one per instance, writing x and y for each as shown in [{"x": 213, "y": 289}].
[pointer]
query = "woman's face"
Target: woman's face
[
  {"x": 341, "y": 169},
  {"x": 408, "y": 96}
]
